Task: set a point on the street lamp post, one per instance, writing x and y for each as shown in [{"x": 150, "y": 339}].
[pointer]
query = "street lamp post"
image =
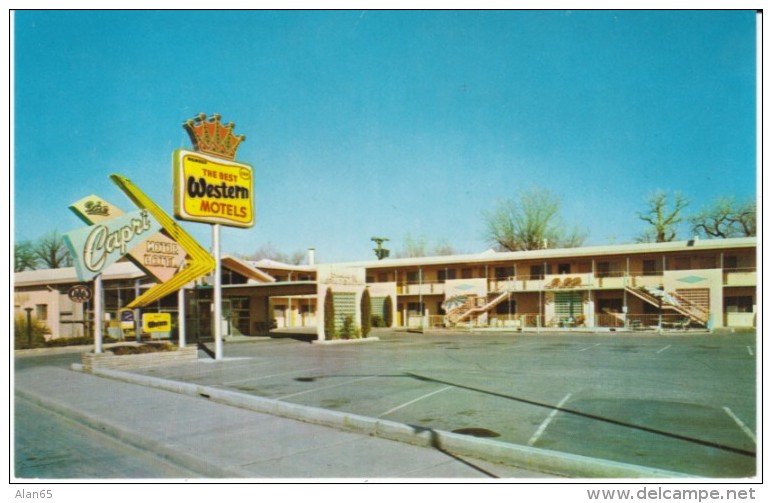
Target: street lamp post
[{"x": 29, "y": 326}]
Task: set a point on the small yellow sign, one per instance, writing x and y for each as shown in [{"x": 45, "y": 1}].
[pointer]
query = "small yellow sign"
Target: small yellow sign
[
  {"x": 212, "y": 190},
  {"x": 157, "y": 322}
]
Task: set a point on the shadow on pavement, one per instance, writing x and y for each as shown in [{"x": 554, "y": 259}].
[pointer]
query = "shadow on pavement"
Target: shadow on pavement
[
  {"x": 298, "y": 336},
  {"x": 594, "y": 417}
]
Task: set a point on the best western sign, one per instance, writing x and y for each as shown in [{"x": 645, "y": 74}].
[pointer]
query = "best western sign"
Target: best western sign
[
  {"x": 212, "y": 189},
  {"x": 95, "y": 247}
]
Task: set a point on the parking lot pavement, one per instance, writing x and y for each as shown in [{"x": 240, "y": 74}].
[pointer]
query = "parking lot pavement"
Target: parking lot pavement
[{"x": 684, "y": 402}]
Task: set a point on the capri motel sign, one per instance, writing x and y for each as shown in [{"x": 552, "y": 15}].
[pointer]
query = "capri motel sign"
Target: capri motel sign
[{"x": 96, "y": 247}]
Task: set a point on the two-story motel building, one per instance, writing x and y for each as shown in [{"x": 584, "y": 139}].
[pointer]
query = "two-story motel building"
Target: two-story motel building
[{"x": 698, "y": 283}]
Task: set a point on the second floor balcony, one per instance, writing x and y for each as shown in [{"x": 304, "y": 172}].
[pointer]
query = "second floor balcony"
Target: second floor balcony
[{"x": 739, "y": 277}]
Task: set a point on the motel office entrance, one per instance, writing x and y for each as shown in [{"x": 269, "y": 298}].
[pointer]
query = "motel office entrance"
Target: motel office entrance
[{"x": 246, "y": 309}]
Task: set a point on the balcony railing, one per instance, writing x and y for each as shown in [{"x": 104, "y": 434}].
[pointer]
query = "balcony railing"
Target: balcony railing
[
  {"x": 599, "y": 280},
  {"x": 740, "y": 277},
  {"x": 642, "y": 321},
  {"x": 424, "y": 288},
  {"x": 533, "y": 321}
]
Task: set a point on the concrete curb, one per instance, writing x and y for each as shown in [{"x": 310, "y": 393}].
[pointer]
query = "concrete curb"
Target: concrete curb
[
  {"x": 334, "y": 342},
  {"x": 530, "y": 458}
]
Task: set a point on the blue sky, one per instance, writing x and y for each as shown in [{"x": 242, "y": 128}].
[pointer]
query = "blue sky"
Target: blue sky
[{"x": 388, "y": 123}]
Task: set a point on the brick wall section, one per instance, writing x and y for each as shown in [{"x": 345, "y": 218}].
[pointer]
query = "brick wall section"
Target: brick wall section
[{"x": 128, "y": 362}]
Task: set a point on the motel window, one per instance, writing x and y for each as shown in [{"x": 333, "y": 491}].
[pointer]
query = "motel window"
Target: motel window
[
  {"x": 607, "y": 269},
  {"x": 504, "y": 272},
  {"x": 383, "y": 277},
  {"x": 446, "y": 274},
  {"x": 739, "y": 304},
  {"x": 730, "y": 262},
  {"x": 682, "y": 263},
  {"x": 229, "y": 277},
  {"x": 538, "y": 271},
  {"x": 652, "y": 267},
  {"x": 466, "y": 273},
  {"x": 41, "y": 312},
  {"x": 708, "y": 262},
  {"x": 564, "y": 268},
  {"x": 412, "y": 276}
]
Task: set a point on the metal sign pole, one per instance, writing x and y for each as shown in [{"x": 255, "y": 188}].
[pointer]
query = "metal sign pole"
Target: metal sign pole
[
  {"x": 137, "y": 314},
  {"x": 217, "y": 297},
  {"x": 98, "y": 316},
  {"x": 181, "y": 318}
]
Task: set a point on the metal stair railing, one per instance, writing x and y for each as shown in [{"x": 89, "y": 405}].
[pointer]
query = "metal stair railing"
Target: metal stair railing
[{"x": 478, "y": 309}]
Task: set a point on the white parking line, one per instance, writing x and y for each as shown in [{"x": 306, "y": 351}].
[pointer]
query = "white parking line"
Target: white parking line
[
  {"x": 665, "y": 348},
  {"x": 590, "y": 347},
  {"x": 325, "y": 387},
  {"x": 750, "y": 351},
  {"x": 411, "y": 402},
  {"x": 268, "y": 376},
  {"x": 742, "y": 425},
  {"x": 546, "y": 422}
]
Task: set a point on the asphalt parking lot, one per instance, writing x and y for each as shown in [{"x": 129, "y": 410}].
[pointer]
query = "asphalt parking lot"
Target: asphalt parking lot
[{"x": 684, "y": 402}]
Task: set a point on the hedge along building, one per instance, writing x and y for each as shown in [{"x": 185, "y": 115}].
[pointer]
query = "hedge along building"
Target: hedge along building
[{"x": 699, "y": 282}]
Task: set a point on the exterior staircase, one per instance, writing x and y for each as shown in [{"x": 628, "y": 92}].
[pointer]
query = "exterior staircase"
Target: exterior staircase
[
  {"x": 674, "y": 302},
  {"x": 470, "y": 308}
]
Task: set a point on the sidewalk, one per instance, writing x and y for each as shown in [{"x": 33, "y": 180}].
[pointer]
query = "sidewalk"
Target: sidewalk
[{"x": 219, "y": 441}]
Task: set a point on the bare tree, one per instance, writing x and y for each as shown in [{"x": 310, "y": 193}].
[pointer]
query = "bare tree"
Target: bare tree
[
  {"x": 663, "y": 217},
  {"x": 24, "y": 257},
  {"x": 725, "y": 218},
  {"x": 412, "y": 247},
  {"x": 51, "y": 252},
  {"x": 745, "y": 216},
  {"x": 419, "y": 247},
  {"x": 532, "y": 222},
  {"x": 715, "y": 220},
  {"x": 444, "y": 248},
  {"x": 269, "y": 251}
]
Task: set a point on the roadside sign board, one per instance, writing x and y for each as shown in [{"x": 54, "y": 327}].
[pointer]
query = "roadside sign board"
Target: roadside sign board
[
  {"x": 127, "y": 319},
  {"x": 156, "y": 322},
  {"x": 95, "y": 247},
  {"x": 212, "y": 190},
  {"x": 199, "y": 262},
  {"x": 159, "y": 255},
  {"x": 79, "y": 293}
]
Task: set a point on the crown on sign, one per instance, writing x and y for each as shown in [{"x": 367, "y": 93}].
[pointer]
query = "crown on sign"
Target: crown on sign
[{"x": 212, "y": 137}]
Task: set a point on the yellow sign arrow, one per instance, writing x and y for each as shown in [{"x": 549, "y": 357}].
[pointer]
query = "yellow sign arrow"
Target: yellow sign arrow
[{"x": 200, "y": 262}]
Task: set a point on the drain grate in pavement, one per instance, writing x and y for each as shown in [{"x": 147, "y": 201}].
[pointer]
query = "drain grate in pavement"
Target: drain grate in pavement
[{"x": 477, "y": 432}]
